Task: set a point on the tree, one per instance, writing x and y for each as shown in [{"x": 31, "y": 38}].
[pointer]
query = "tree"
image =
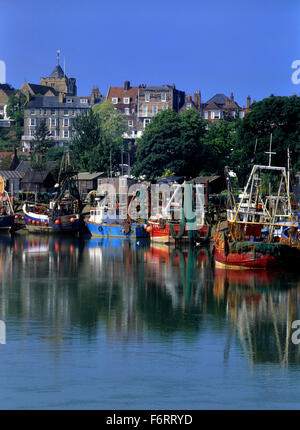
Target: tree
[
  {"x": 219, "y": 142},
  {"x": 97, "y": 139},
  {"x": 171, "y": 141},
  {"x": 279, "y": 116},
  {"x": 41, "y": 144},
  {"x": 15, "y": 111}
]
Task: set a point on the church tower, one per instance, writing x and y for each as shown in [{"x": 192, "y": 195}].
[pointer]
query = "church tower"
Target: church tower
[{"x": 59, "y": 81}]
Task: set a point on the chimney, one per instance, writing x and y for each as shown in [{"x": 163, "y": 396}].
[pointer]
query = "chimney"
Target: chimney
[
  {"x": 227, "y": 101},
  {"x": 126, "y": 85},
  {"x": 248, "y": 101},
  {"x": 189, "y": 97},
  {"x": 173, "y": 85},
  {"x": 272, "y": 95},
  {"x": 60, "y": 97},
  {"x": 231, "y": 96}
]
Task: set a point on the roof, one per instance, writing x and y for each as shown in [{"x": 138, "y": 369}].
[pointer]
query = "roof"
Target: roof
[
  {"x": 86, "y": 176},
  {"x": 57, "y": 72},
  {"x": 53, "y": 102},
  {"x": 158, "y": 88},
  {"x": 4, "y": 154},
  {"x": 212, "y": 106},
  {"x": 204, "y": 179},
  {"x": 167, "y": 179},
  {"x": 41, "y": 89},
  {"x": 120, "y": 92},
  {"x": 10, "y": 174},
  {"x": 23, "y": 167},
  {"x": 35, "y": 177},
  {"x": 219, "y": 99}
]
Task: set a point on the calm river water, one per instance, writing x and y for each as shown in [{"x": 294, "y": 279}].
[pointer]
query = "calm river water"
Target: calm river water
[{"x": 104, "y": 324}]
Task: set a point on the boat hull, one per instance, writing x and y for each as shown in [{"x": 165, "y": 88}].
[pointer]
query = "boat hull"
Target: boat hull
[
  {"x": 6, "y": 222},
  {"x": 136, "y": 231},
  {"x": 44, "y": 224},
  {"x": 252, "y": 255},
  {"x": 163, "y": 233}
]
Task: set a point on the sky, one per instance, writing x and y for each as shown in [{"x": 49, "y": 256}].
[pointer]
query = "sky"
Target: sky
[{"x": 242, "y": 46}]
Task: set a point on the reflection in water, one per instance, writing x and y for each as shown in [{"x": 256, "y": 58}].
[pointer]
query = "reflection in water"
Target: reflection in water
[
  {"x": 262, "y": 310},
  {"x": 73, "y": 287}
]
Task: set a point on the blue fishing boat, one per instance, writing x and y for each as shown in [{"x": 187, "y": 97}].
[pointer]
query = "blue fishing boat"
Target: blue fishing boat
[{"x": 100, "y": 225}]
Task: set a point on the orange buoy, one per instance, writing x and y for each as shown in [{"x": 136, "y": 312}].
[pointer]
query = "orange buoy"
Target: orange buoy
[
  {"x": 46, "y": 223},
  {"x": 72, "y": 220},
  {"x": 57, "y": 222},
  {"x": 16, "y": 217},
  {"x": 148, "y": 229},
  {"x": 33, "y": 221},
  {"x": 38, "y": 222},
  {"x": 29, "y": 220}
]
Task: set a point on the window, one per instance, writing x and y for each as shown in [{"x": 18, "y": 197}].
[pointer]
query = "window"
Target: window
[
  {"x": 52, "y": 122},
  {"x": 130, "y": 123},
  {"x": 165, "y": 107},
  {"x": 53, "y": 112},
  {"x": 241, "y": 114},
  {"x": 32, "y": 121},
  {"x": 115, "y": 100},
  {"x": 66, "y": 112},
  {"x": 66, "y": 122},
  {"x": 206, "y": 115},
  {"x": 45, "y": 111},
  {"x": 52, "y": 132},
  {"x": 216, "y": 114},
  {"x": 163, "y": 97},
  {"x": 145, "y": 110},
  {"x": 147, "y": 97},
  {"x": 66, "y": 133},
  {"x": 154, "y": 110},
  {"x": 188, "y": 105},
  {"x": 69, "y": 100},
  {"x": 126, "y": 100},
  {"x": 32, "y": 111},
  {"x": 73, "y": 112},
  {"x": 83, "y": 100},
  {"x": 31, "y": 132},
  {"x": 146, "y": 122},
  {"x": 41, "y": 111},
  {"x": 127, "y": 111}
]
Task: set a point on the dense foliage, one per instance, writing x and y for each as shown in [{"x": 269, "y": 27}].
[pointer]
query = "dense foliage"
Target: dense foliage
[{"x": 97, "y": 141}]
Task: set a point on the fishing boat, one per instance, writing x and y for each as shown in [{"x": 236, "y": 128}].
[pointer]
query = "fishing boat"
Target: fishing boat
[
  {"x": 106, "y": 220},
  {"x": 255, "y": 224},
  {"x": 7, "y": 216},
  {"x": 188, "y": 200},
  {"x": 62, "y": 214}
]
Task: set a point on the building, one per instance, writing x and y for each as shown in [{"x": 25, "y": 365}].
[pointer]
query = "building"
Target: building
[
  {"x": 87, "y": 182},
  {"x": 58, "y": 112},
  {"x": 37, "y": 181},
  {"x": 31, "y": 90},
  {"x": 222, "y": 107},
  {"x": 59, "y": 81},
  {"x": 154, "y": 99},
  {"x": 125, "y": 99},
  {"x": 192, "y": 102}
]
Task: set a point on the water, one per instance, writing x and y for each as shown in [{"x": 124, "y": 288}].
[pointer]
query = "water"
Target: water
[{"x": 99, "y": 324}]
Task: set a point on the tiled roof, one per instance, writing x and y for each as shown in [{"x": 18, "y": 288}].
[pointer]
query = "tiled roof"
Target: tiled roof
[
  {"x": 212, "y": 106},
  {"x": 219, "y": 99},
  {"x": 120, "y": 92},
  {"x": 41, "y": 89},
  {"x": 57, "y": 72}
]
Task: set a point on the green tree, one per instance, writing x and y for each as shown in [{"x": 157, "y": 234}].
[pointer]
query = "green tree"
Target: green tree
[
  {"x": 219, "y": 142},
  {"x": 15, "y": 111},
  {"x": 173, "y": 142},
  {"x": 97, "y": 140},
  {"x": 279, "y": 116},
  {"x": 41, "y": 144}
]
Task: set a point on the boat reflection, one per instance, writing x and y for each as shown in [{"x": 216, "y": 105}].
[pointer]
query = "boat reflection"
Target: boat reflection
[{"x": 261, "y": 307}]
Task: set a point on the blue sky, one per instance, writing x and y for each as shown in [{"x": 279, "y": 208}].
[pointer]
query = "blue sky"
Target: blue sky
[{"x": 219, "y": 46}]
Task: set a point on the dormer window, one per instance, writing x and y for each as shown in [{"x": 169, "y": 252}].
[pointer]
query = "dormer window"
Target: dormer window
[
  {"x": 83, "y": 100},
  {"x": 115, "y": 100},
  {"x": 126, "y": 100},
  {"x": 69, "y": 100}
]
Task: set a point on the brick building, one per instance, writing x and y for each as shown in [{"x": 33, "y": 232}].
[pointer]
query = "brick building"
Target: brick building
[
  {"x": 222, "y": 107},
  {"x": 154, "y": 99},
  {"x": 125, "y": 99}
]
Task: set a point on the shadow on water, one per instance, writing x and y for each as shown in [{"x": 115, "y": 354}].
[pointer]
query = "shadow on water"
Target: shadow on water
[{"x": 133, "y": 288}]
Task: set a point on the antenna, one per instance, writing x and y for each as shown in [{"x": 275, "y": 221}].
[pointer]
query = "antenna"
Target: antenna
[
  {"x": 288, "y": 170},
  {"x": 58, "y": 52},
  {"x": 270, "y": 150},
  {"x": 64, "y": 65}
]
